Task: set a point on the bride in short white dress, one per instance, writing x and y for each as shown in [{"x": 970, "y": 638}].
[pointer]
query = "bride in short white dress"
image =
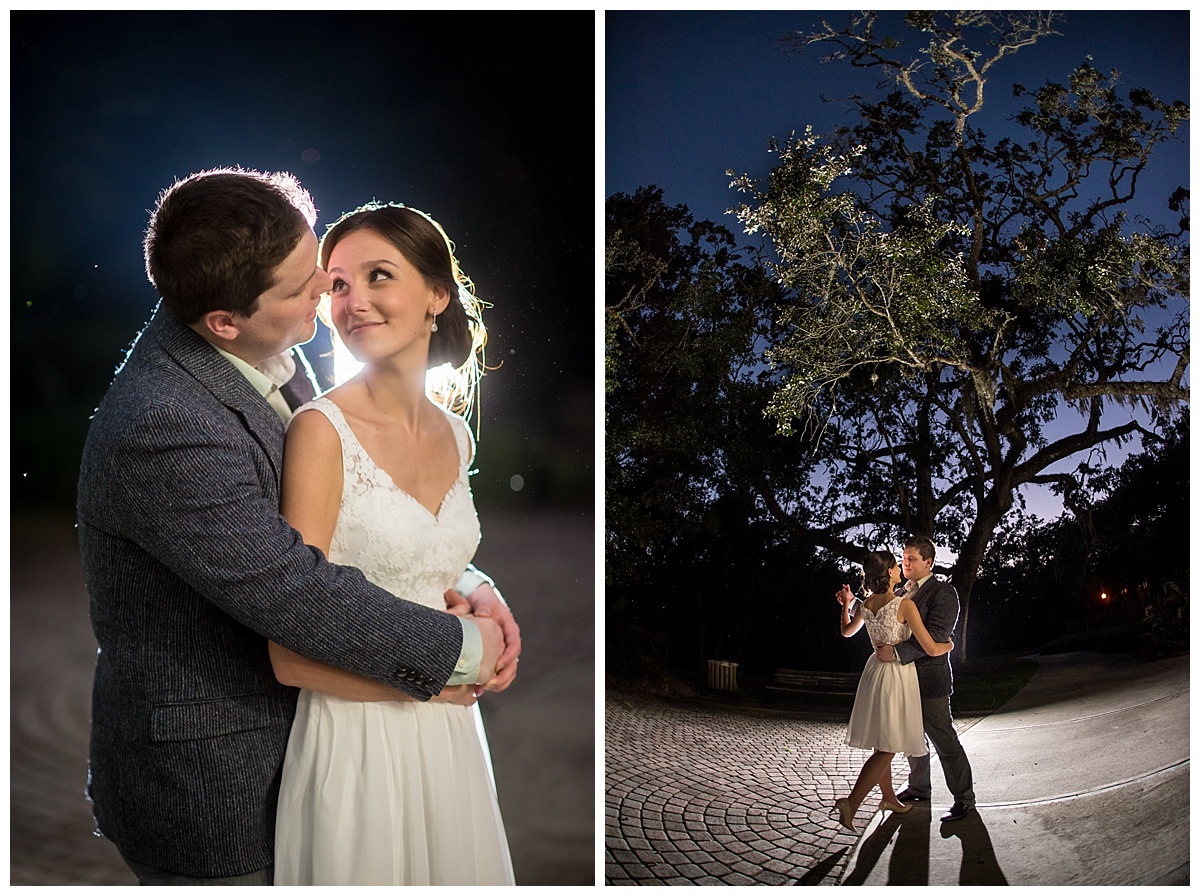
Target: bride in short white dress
[
  {"x": 887, "y": 707},
  {"x": 392, "y": 792},
  {"x": 886, "y": 717}
]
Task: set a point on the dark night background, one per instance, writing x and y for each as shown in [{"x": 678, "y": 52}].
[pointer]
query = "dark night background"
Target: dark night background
[
  {"x": 484, "y": 120},
  {"x": 493, "y": 137}
]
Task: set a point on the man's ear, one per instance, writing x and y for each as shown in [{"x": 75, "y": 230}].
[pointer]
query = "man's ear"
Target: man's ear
[{"x": 221, "y": 324}]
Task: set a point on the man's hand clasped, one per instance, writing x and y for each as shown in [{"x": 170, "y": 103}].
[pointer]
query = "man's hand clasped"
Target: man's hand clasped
[{"x": 499, "y": 630}]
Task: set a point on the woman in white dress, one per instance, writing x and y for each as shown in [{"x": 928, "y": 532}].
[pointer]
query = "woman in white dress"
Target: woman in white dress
[
  {"x": 378, "y": 788},
  {"x": 886, "y": 716}
]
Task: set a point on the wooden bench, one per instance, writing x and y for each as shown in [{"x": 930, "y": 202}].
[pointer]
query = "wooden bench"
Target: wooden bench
[{"x": 814, "y": 682}]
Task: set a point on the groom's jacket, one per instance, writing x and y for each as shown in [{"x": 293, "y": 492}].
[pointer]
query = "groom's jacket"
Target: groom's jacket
[
  {"x": 937, "y": 602},
  {"x": 190, "y": 569}
]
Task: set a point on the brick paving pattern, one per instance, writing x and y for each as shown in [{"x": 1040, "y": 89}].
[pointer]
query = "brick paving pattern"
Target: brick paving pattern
[{"x": 710, "y": 795}]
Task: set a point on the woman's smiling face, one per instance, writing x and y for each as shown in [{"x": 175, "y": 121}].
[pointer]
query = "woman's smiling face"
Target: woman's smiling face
[{"x": 379, "y": 303}]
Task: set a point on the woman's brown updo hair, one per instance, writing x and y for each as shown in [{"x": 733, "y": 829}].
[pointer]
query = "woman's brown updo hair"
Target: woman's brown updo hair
[
  {"x": 460, "y": 335},
  {"x": 875, "y": 572}
]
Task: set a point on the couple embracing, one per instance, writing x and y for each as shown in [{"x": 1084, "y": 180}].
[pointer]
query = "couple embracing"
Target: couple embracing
[
  {"x": 292, "y": 643},
  {"x": 903, "y": 697}
]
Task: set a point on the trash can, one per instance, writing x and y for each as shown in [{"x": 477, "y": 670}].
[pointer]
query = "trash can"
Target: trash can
[{"x": 722, "y": 675}]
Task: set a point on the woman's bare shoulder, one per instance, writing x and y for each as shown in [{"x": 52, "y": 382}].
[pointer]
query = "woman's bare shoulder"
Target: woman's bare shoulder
[{"x": 312, "y": 432}]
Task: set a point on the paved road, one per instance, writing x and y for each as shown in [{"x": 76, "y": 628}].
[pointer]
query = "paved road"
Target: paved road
[
  {"x": 541, "y": 731},
  {"x": 1082, "y": 779}
]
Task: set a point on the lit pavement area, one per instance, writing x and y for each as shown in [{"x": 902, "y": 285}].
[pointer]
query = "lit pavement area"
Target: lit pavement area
[
  {"x": 1082, "y": 779},
  {"x": 541, "y": 731}
]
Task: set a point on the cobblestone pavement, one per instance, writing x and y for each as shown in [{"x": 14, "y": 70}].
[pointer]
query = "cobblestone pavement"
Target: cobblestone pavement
[
  {"x": 1085, "y": 781},
  {"x": 541, "y": 731},
  {"x": 702, "y": 794}
]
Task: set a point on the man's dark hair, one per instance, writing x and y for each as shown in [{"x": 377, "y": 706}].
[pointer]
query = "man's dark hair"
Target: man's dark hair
[
  {"x": 216, "y": 238},
  {"x": 923, "y": 545}
]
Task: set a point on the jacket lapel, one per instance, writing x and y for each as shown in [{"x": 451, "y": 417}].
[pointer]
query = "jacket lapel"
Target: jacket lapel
[{"x": 223, "y": 380}]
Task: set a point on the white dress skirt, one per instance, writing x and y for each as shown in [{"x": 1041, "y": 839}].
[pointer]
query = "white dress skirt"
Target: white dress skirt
[
  {"x": 887, "y": 705},
  {"x": 392, "y": 793}
]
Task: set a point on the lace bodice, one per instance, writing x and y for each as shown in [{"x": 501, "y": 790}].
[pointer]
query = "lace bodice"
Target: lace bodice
[
  {"x": 427, "y": 560},
  {"x": 883, "y": 627}
]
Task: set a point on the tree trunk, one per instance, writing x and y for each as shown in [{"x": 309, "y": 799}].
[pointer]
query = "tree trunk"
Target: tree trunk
[
  {"x": 966, "y": 569},
  {"x": 963, "y": 582}
]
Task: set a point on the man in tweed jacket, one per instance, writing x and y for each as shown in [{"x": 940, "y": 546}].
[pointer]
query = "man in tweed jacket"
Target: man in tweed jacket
[
  {"x": 191, "y": 569},
  {"x": 937, "y": 602}
]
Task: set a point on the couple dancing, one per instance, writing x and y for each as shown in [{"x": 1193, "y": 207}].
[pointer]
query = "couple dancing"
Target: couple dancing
[
  {"x": 292, "y": 642},
  {"x": 903, "y": 698}
]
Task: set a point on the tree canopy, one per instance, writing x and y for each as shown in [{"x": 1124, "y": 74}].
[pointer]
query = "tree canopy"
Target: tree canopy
[
  {"x": 964, "y": 313},
  {"x": 940, "y": 318}
]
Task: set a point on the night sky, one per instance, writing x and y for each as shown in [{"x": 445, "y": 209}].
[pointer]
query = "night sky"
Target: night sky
[
  {"x": 690, "y": 95},
  {"x": 475, "y": 118}
]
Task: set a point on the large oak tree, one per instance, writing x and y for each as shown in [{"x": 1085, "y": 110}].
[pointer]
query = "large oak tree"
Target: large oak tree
[{"x": 966, "y": 314}]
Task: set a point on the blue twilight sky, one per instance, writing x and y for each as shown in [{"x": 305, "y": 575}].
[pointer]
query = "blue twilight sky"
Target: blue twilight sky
[{"x": 690, "y": 95}]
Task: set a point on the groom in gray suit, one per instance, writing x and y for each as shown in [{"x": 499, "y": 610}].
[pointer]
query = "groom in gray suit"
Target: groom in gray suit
[
  {"x": 937, "y": 602},
  {"x": 189, "y": 566}
]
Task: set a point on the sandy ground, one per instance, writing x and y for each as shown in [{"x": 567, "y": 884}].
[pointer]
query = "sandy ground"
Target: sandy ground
[{"x": 542, "y": 731}]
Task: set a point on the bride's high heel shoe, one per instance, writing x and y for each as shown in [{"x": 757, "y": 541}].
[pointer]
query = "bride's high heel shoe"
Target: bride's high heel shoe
[
  {"x": 846, "y": 815},
  {"x": 888, "y": 806}
]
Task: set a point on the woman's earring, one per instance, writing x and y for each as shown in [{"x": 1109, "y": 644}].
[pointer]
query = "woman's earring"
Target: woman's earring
[{"x": 433, "y": 329}]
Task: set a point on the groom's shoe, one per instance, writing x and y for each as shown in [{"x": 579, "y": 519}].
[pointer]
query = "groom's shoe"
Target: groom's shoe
[
  {"x": 907, "y": 796},
  {"x": 958, "y": 812}
]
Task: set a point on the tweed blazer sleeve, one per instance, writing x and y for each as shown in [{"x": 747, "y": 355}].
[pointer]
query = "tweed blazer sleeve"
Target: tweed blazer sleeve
[{"x": 193, "y": 480}]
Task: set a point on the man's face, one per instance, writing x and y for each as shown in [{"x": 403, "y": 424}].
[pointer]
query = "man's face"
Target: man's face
[
  {"x": 915, "y": 566},
  {"x": 287, "y": 312}
]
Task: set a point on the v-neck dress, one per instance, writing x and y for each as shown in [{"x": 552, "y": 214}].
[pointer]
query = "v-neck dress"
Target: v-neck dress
[
  {"x": 887, "y": 707},
  {"x": 392, "y": 792}
]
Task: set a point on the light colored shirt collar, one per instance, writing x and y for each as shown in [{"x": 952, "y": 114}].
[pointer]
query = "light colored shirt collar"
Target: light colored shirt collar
[
  {"x": 279, "y": 369},
  {"x": 921, "y": 582},
  {"x": 267, "y": 377}
]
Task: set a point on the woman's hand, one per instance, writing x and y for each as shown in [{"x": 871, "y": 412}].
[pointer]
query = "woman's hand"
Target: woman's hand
[
  {"x": 851, "y": 622},
  {"x": 941, "y": 648},
  {"x": 456, "y": 604}
]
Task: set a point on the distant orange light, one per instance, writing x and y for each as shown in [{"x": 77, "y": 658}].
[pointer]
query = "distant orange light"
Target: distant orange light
[{"x": 1104, "y": 595}]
